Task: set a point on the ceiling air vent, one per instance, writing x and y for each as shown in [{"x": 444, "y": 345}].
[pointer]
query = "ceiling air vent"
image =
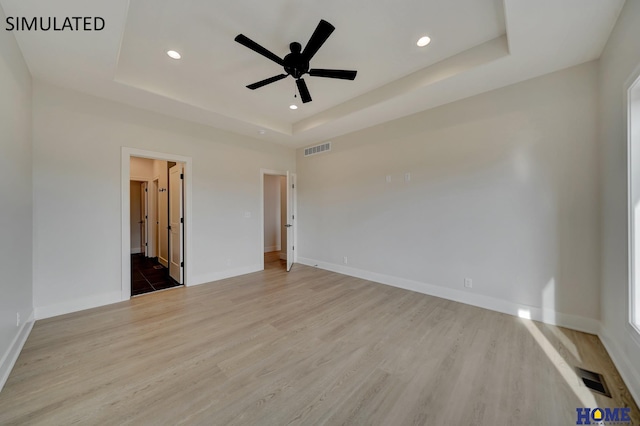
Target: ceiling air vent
[{"x": 313, "y": 150}]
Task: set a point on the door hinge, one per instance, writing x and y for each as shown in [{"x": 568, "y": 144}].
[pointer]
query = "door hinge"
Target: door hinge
[
  {"x": 145, "y": 244},
  {"x": 182, "y": 264},
  {"x": 182, "y": 220},
  {"x": 181, "y": 175},
  {"x": 293, "y": 216},
  {"x": 293, "y": 185},
  {"x": 293, "y": 247},
  {"x": 169, "y": 227},
  {"x": 146, "y": 217},
  {"x": 145, "y": 190}
]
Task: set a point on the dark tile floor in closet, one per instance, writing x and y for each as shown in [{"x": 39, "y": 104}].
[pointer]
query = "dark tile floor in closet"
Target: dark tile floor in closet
[{"x": 148, "y": 275}]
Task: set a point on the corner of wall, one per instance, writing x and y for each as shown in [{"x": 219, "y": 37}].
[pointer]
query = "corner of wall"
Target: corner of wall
[
  {"x": 627, "y": 369},
  {"x": 16, "y": 210},
  {"x": 11, "y": 355}
]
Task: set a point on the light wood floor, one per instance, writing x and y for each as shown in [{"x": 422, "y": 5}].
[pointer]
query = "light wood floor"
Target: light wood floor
[{"x": 305, "y": 347}]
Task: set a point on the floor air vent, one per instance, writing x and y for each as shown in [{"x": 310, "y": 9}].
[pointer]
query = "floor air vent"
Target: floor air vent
[
  {"x": 593, "y": 381},
  {"x": 313, "y": 150}
]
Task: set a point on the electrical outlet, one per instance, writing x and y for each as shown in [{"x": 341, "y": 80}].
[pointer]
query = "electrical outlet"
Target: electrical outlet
[
  {"x": 17, "y": 319},
  {"x": 468, "y": 283},
  {"x": 345, "y": 260}
]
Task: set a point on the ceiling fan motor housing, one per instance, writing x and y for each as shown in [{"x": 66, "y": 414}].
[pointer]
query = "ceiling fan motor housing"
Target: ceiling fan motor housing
[{"x": 295, "y": 64}]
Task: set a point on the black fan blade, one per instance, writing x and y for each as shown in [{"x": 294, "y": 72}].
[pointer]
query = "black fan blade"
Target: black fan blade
[
  {"x": 246, "y": 41},
  {"x": 319, "y": 36},
  {"x": 269, "y": 80},
  {"x": 304, "y": 92},
  {"x": 342, "y": 74}
]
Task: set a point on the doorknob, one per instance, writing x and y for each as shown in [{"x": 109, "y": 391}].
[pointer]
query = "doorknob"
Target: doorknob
[{"x": 288, "y": 225}]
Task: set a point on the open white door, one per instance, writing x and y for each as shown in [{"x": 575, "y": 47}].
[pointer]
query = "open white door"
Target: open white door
[
  {"x": 176, "y": 220},
  {"x": 163, "y": 226},
  {"x": 144, "y": 216},
  {"x": 152, "y": 222},
  {"x": 291, "y": 187}
]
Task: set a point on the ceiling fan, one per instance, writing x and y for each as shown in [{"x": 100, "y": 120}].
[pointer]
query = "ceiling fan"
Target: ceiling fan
[{"x": 296, "y": 63}]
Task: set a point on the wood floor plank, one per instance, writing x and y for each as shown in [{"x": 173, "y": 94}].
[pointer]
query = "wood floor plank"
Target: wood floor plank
[{"x": 305, "y": 347}]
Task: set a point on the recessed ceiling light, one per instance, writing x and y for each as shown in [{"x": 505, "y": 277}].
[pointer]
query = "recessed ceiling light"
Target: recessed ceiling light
[
  {"x": 293, "y": 106},
  {"x": 173, "y": 54},
  {"x": 423, "y": 41}
]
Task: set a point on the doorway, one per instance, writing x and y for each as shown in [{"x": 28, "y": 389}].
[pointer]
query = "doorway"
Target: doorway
[
  {"x": 275, "y": 215},
  {"x": 156, "y": 219},
  {"x": 277, "y": 228},
  {"x": 156, "y": 187},
  {"x": 137, "y": 216}
]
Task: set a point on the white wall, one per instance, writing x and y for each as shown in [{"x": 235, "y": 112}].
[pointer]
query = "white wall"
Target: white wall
[
  {"x": 618, "y": 62},
  {"x": 271, "y": 213},
  {"x": 15, "y": 207},
  {"x": 77, "y": 144},
  {"x": 503, "y": 189},
  {"x": 141, "y": 168}
]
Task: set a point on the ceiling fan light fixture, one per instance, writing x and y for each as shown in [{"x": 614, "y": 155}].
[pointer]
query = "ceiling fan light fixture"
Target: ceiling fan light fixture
[
  {"x": 296, "y": 63},
  {"x": 173, "y": 54},
  {"x": 293, "y": 106},
  {"x": 423, "y": 41}
]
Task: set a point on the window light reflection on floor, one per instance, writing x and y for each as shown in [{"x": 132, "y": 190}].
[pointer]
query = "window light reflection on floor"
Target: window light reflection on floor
[{"x": 566, "y": 371}]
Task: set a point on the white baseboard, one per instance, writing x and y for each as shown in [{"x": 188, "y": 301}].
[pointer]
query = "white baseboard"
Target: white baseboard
[
  {"x": 230, "y": 273},
  {"x": 76, "y": 305},
  {"x": 136, "y": 250},
  {"x": 629, "y": 371},
  {"x": 164, "y": 262},
  {"x": 272, "y": 248},
  {"x": 11, "y": 355},
  {"x": 587, "y": 325}
]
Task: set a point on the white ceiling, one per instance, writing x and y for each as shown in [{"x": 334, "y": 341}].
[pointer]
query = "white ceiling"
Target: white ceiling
[{"x": 478, "y": 45}]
